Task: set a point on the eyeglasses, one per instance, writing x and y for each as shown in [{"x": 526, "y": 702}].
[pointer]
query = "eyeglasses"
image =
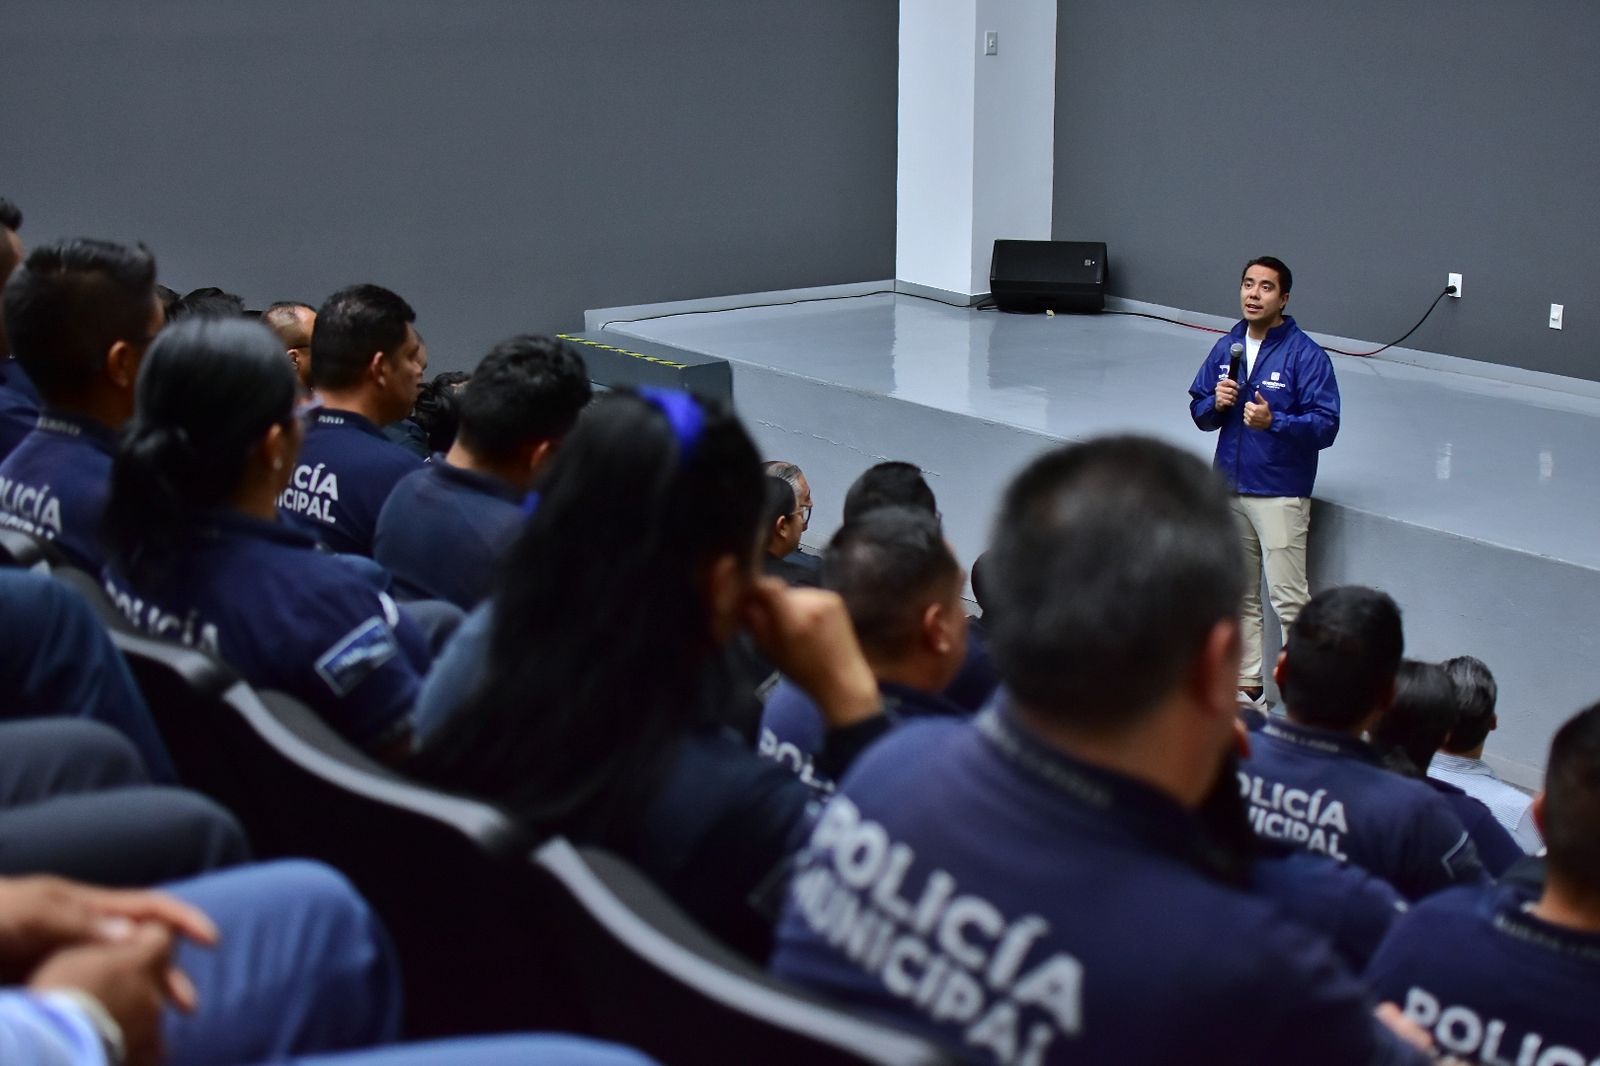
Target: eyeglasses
[{"x": 804, "y": 512}]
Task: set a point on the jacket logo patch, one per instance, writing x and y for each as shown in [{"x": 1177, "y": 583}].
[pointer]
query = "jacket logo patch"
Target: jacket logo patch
[{"x": 358, "y": 653}]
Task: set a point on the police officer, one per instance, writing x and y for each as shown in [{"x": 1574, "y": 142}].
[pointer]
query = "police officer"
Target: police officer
[
  {"x": 1275, "y": 406},
  {"x": 199, "y": 556},
  {"x": 902, "y": 587},
  {"x": 1034, "y": 885},
  {"x": 523, "y": 398},
  {"x": 367, "y": 363},
  {"x": 1501, "y": 976},
  {"x": 79, "y": 315},
  {"x": 19, "y": 400},
  {"x": 1313, "y": 782}
]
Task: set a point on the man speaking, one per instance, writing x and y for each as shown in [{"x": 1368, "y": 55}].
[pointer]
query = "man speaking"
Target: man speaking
[{"x": 1269, "y": 389}]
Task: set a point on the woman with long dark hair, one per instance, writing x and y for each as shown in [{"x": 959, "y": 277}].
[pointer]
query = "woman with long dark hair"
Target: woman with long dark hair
[
  {"x": 601, "y": 711},
  {"x": 198, "y": 554}
]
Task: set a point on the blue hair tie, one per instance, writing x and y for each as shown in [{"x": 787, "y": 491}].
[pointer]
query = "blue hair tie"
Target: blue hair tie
[{"x": 688, "y": 418}]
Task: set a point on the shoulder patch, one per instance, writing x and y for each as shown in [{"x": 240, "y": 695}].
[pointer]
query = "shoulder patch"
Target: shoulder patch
[{"x": 357, "y": 654}]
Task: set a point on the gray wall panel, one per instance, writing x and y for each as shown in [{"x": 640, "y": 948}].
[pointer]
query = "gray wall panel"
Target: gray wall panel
[
  {"x": 502, "y": 164},
  {"x": 1374, "y": 145}
]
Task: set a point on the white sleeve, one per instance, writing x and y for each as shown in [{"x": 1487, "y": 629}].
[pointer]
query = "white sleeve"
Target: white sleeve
[{"x": 48, "y": 1030}]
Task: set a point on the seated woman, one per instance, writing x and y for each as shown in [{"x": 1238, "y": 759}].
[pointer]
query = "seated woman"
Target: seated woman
[
  {"x": 601, "y": 707},
  {"x": 198, "y": 554}
]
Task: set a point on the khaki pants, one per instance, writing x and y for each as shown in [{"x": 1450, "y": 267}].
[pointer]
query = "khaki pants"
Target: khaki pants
[{"x": 1274, "y": 530}]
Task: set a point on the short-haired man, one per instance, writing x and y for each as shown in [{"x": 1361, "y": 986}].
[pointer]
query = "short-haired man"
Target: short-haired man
[
  {"x": 902, "y": 586},
  {"x": 896, "y": 483},
  {"x": 1314, "y": 782},
  {"x": 367, "y": 363},
  {"x": 1460, "y": 760},
  {"x": 19, "y": 400},
  {"x": 80, "y": 314},
  {"x": 522, "y": 400},
  {"x": 783, "y": 519},
  {"x": 1497, "y": 976},
  {"x": 891, "y": 483},
  {"x": 1034, "y": 885},
  {"x": 293, "y": 323},
  {"x": 802, "y": 501},
  {"x": 1275, "y": 405}
]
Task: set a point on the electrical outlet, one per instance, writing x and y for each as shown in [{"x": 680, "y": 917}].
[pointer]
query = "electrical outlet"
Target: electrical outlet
[
  {"x": 1455, "y": 279},
  {"x": 991, "y": 43},
  {"x": 1556, "y": 313}
]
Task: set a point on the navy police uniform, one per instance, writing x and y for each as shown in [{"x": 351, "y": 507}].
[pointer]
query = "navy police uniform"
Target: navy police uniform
[
  {"x": 1497, "y": 848},
  {"x": 470, "y": 515},
  {"x": 1492, "y": 982},
  {"x": 54, "y": 485},
  {"x": 346, "y": 471},
  {"x": 261, "y": 597},
  {"x": 1030, "y": 908},
  {"x": 793, "y": 730},
  {"x": 1326, "y": 792},
  {"x": 19, "y": 405}
]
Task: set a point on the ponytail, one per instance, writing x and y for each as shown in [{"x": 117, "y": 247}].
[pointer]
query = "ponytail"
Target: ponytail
[{"x": 208, "y": 391}]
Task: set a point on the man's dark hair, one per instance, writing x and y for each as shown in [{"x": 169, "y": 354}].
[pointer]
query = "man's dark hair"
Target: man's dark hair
[
  {"x": 10, "y": 215},
  {"x": 888, "y": 564},
  {"x": 888, "y": 484},
  {"x": 1415, "y": 724},
  {"x": 69, "y": 302},
  {"x": 779, "y": 501},
  {"x": 169, "y": 298},
  {"x": 526, "y": 389},
  {"x": 1273, "y": 263},
  {"x": 1476, "y": 695},
  {"x": 1112, "y": 561},
  {"x": 1572, "y": 801},
  {"x": 353, "y": 325},
  {"x": 207, "y": 302},
  {"x": 1344, "y": 650}
]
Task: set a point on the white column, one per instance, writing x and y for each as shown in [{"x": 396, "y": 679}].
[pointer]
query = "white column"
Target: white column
[{"x": 976, "y": 138}]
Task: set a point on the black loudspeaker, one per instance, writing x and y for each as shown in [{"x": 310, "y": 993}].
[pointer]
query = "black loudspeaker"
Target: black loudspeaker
[{"x": 1048, "y": 275}]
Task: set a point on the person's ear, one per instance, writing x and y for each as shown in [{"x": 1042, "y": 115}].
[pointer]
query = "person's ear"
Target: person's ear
[
  {"x": 1538, "y": 813},
  {"x": 723, "y": 583},
  {"x": 378, "y": 369},
  {"x": 539, "y": 455},
  {"x": 937, "y": 634},
  {"x": 1494, "y": 722},
  {"x": 278, "y": 448},
  {"x": 122, "y": 364}
]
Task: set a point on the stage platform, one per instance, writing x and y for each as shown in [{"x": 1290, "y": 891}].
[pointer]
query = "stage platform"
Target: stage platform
[{"x": 1470, "y": 493}]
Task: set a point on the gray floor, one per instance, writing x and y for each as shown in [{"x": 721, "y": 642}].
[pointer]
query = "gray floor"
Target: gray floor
[{"x": 1472, "y": 499}]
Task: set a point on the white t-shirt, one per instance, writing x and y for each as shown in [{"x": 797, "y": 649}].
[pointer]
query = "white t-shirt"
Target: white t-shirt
[{"x": 1252, "y": 348}]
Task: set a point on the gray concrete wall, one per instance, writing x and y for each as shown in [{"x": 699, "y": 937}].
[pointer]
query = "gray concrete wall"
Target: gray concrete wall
[
  {"x": 502, "y": 164},
  {"x": 1375, "y": 146}
]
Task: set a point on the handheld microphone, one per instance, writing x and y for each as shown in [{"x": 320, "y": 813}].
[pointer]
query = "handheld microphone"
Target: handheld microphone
[{"x": 1235, "y": 356}]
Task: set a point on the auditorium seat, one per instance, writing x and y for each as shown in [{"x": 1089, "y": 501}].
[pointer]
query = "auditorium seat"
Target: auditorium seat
[
  {"x": 446, "y": 873},
  {"x": 651, "y": 978},
  {"x": 21, "y": 549}
]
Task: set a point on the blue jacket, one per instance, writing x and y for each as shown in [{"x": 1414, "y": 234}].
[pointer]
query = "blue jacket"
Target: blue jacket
[
  {"x": 442, "y": 531},
  {"x": 53, "y": 486},
  {"x": 1326, "y": 792},
  {"x": 1492, "y": 982},
  {"x": 970, "y": 880},
  {"x": 1295, "y": 376},
  {"x": 346, "y": 471},
  {"x": 286, "y": 616},
  {"x": 19, "y": 405}
]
